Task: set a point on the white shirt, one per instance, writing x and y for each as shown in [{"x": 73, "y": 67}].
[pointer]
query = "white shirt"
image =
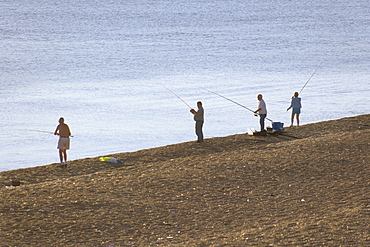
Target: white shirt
[{"x": 262, "y": 106}]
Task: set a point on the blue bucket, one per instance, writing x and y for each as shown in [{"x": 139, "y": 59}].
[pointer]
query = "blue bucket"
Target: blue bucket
[{"x": 278, "y": 126}]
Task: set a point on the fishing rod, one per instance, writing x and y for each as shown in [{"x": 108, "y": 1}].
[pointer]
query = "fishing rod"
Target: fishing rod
[
  {"x": 177, "y": 96},
  {"x": 43, "y": 131},
  {"x": 233, "y": 102},
  {"x": 311, "y": 76},
  {"x": 229, "y": 100}
]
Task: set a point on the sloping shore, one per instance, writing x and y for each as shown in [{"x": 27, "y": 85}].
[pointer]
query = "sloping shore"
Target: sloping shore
[{"x": 239, "y": 190}]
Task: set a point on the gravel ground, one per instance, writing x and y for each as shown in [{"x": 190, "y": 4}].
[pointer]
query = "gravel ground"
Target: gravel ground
[{"x": 309, "y": 187}]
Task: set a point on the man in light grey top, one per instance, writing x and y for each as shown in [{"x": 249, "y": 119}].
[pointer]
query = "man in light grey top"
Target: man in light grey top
[
  {"x": 199, "y": 120},
  {"x": 262, "y": 111}
]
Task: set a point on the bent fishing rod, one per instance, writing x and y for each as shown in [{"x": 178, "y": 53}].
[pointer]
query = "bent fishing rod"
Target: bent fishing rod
[
  {"x": 177, "y": 96},
  {"x": 311, "y": 77},
  {"x": 233, "y": 102}
]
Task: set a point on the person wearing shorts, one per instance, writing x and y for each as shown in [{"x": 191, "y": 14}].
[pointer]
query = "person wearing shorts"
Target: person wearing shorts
[
  {"x": 296, "y": 105},
  {"x": 63, "y": 144}
]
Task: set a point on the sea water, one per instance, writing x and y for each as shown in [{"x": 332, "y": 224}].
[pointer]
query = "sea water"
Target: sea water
[{"x": 109, "y": 66}]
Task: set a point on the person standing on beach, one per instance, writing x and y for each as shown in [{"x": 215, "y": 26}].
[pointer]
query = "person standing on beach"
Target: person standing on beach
[
  {"x": 199, "y": 120},
  {"x": 63, "y": 144},
  {"x": 296, "y": 105},
  {"x": 262, "y": 111}
]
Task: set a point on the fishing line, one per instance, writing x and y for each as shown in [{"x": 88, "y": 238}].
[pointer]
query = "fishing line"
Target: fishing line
[
  {"x": 311, "y": 77},
  {"x": 177, "y": 96},
  {"x": 233, "y": 101},
  {"x": 33, "y": 147}
]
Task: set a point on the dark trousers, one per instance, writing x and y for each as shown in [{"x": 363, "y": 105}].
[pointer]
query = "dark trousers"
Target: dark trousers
[
  {"x": 199, "y": 130},
  {"x": 262, "y": 121}
]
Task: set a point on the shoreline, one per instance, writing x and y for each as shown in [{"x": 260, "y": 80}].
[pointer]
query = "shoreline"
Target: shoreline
[
  {"x": 290, "y": 130},
  {"x": 236, "y": 190},
  {"x": 92, "y": 157}
]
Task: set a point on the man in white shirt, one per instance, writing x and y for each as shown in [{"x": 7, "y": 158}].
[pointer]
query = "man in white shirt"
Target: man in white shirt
[{"x": 262, "y": 111}]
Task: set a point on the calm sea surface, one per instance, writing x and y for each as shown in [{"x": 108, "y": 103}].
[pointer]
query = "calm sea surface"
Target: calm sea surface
[{"x": 102, "y": 65}]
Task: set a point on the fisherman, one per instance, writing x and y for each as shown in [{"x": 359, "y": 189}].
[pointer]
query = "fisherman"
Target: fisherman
[
  {"x": 262, "y": 111},
  {"x": 199, "y": 120},
  {"x": 63, "y": 144},
  {"x": 296, "y": 105}
]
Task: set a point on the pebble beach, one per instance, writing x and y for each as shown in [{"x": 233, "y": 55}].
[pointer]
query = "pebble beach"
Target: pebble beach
[{"x": 307, "y": 187}]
